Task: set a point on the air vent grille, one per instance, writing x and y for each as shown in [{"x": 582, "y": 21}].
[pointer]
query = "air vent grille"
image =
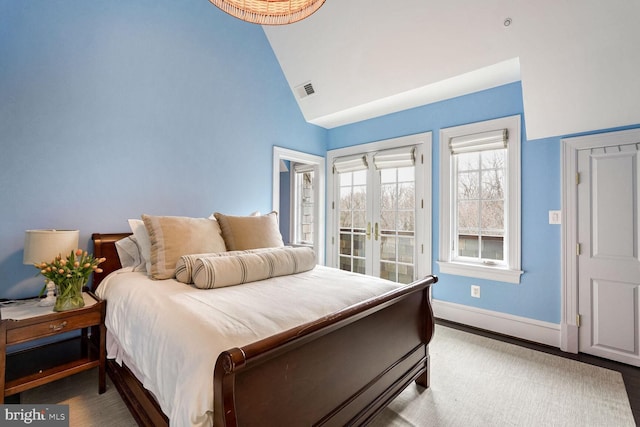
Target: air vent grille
[{"x": 305, "y": 90}]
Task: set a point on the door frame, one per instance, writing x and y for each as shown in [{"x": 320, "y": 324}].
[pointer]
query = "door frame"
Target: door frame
[
  {"x": 423, "y": 237},
  {"x": 569, "y": 163},
  {"x": 318, "y": 163}
]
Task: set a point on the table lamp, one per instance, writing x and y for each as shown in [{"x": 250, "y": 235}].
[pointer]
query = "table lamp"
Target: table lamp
[{"x": 43, "y": 246}]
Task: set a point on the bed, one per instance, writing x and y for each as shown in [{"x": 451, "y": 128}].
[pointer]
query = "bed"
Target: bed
[{"x": 342, "y": 368}]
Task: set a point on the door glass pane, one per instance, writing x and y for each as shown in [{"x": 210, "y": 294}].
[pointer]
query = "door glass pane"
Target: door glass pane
[
  {"x": 406, "y": 220},
  {"x": 388, "y": 271},
  {"x": 405, "y": 273},
  {"x": 387, "y": 220},
  {"x": 345, "y": 243},
  {"x": 359, "y": 245},
  {"x": 405, "y": 249},
  {"x": 388, "y": 248},
  {"x": 359, "y": 265}
]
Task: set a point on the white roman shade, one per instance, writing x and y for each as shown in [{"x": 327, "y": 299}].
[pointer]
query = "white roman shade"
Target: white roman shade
[
  {"x": 395, "y": 158},
  {"x": 350, "y": 164},
  {"x": 482, "y": 141}
]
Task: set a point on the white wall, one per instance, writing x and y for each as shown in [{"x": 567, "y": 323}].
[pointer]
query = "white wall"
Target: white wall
[{"x": 577, "y": 59}]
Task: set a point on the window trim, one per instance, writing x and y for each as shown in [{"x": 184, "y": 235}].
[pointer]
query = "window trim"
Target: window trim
[{"x": 511, "y": 273}]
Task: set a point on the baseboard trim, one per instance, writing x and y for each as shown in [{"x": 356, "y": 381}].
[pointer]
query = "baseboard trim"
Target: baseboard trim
[{"x": 506, "y": 324}]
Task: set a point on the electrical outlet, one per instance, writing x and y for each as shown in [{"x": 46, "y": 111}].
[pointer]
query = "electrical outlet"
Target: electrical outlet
[{"x": 475, "y": 291}]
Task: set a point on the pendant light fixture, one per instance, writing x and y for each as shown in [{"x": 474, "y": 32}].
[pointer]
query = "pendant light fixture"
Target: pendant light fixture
[{"x": 269, "y": 12}]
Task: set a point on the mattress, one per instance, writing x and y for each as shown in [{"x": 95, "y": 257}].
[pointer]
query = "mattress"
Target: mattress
[{"x": 171, "y": 334}]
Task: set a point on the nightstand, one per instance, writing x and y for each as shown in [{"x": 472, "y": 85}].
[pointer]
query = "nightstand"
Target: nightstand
[{"x": 25, "y": 321}]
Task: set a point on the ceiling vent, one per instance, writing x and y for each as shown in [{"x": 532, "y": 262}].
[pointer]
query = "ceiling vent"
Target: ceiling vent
[{"x": 305, "y": 90}]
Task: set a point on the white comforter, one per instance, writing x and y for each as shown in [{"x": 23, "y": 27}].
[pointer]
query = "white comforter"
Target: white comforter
[{"x": 174, "y": 332}]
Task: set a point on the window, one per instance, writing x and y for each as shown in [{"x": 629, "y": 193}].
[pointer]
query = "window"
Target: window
[{"x": 480, "y": 200}]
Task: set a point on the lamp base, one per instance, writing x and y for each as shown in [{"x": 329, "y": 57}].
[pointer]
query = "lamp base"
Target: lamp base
[{"x": 50, "y": 299}]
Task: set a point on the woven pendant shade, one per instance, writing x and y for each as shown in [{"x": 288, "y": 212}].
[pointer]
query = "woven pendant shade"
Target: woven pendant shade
[{"x": 269, "y": 12}]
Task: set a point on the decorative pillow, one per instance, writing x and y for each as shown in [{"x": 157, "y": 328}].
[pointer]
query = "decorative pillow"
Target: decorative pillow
[
  {"x": 184, "y": 266},
  {"x": 174, "y": 236},
  {"x": 221, "y": 271},
  {"x": 142, "y": 238},
  {"x": 129, "y": 254},
  {"x": 250, "y": 232}
]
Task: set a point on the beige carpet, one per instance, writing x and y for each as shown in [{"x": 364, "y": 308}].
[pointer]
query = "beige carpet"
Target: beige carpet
[
  {"x": 475, "y": 381},
  {"x": 478, "y": 381}
]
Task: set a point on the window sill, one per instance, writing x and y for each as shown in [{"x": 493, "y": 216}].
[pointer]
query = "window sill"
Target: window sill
[{"x": 498, "y": 274}]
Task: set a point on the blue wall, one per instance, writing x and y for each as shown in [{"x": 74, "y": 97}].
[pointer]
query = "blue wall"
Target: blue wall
[
  {"x": 538, "y": 294},
  {"x": 113, "y": 109}
]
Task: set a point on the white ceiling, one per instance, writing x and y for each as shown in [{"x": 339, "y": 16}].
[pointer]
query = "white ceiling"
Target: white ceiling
[{"x": 577, "y": 59}]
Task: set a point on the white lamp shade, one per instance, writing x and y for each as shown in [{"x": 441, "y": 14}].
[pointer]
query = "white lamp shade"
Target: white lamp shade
[{"x": 45, "y": 245}]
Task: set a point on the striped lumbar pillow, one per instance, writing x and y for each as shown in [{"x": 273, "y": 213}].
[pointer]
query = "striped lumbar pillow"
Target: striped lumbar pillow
[
  {"x": 186, "y": 263},
  {"x": 221, "y": 271}
]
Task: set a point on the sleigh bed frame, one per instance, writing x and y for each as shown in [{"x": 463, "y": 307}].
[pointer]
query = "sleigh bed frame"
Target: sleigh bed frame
[{"x": 381, "y": 343}]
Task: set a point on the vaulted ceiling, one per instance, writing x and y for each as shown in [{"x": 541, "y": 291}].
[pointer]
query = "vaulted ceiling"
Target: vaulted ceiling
[{"x": 578, "y": 60}]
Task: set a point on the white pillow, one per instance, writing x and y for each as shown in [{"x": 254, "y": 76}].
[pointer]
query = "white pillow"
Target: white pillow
[
  {"x": 129, "y": 254},
  {"x": 142, "y": 238}
]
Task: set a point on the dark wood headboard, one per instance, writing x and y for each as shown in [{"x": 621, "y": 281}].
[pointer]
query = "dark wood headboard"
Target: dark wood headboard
[{"x": 104, "y": 245}]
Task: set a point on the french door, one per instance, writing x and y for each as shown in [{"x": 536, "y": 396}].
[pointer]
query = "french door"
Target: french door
[{"x": 376, "y": 222}]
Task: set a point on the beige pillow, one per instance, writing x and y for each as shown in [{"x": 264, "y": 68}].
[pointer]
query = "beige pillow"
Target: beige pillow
[
  {"x": 250, "y": 232},
  {"x": 174, "y": 236}
]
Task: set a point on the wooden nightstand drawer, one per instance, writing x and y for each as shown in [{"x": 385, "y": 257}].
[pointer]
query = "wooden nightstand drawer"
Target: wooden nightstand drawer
[{"x": 52, "y": 327}]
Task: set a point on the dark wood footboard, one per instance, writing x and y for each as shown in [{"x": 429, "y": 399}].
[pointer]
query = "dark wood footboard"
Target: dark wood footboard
[{"x": 339, "y": 370}]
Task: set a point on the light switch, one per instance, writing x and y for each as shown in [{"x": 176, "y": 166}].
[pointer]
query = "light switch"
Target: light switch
[{"x": 555, "y": 217}]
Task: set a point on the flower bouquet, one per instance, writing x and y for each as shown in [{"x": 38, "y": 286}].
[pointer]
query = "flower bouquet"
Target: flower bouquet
[{"x": 69, "y": 275}]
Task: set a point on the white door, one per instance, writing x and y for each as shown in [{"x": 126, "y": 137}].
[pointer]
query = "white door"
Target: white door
[
  {"x": 377, "y": 218},
  {"x": 609, "y": 258}
]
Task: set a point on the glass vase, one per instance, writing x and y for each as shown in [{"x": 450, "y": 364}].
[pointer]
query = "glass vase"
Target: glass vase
[{"x": 69, "y": 294}]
